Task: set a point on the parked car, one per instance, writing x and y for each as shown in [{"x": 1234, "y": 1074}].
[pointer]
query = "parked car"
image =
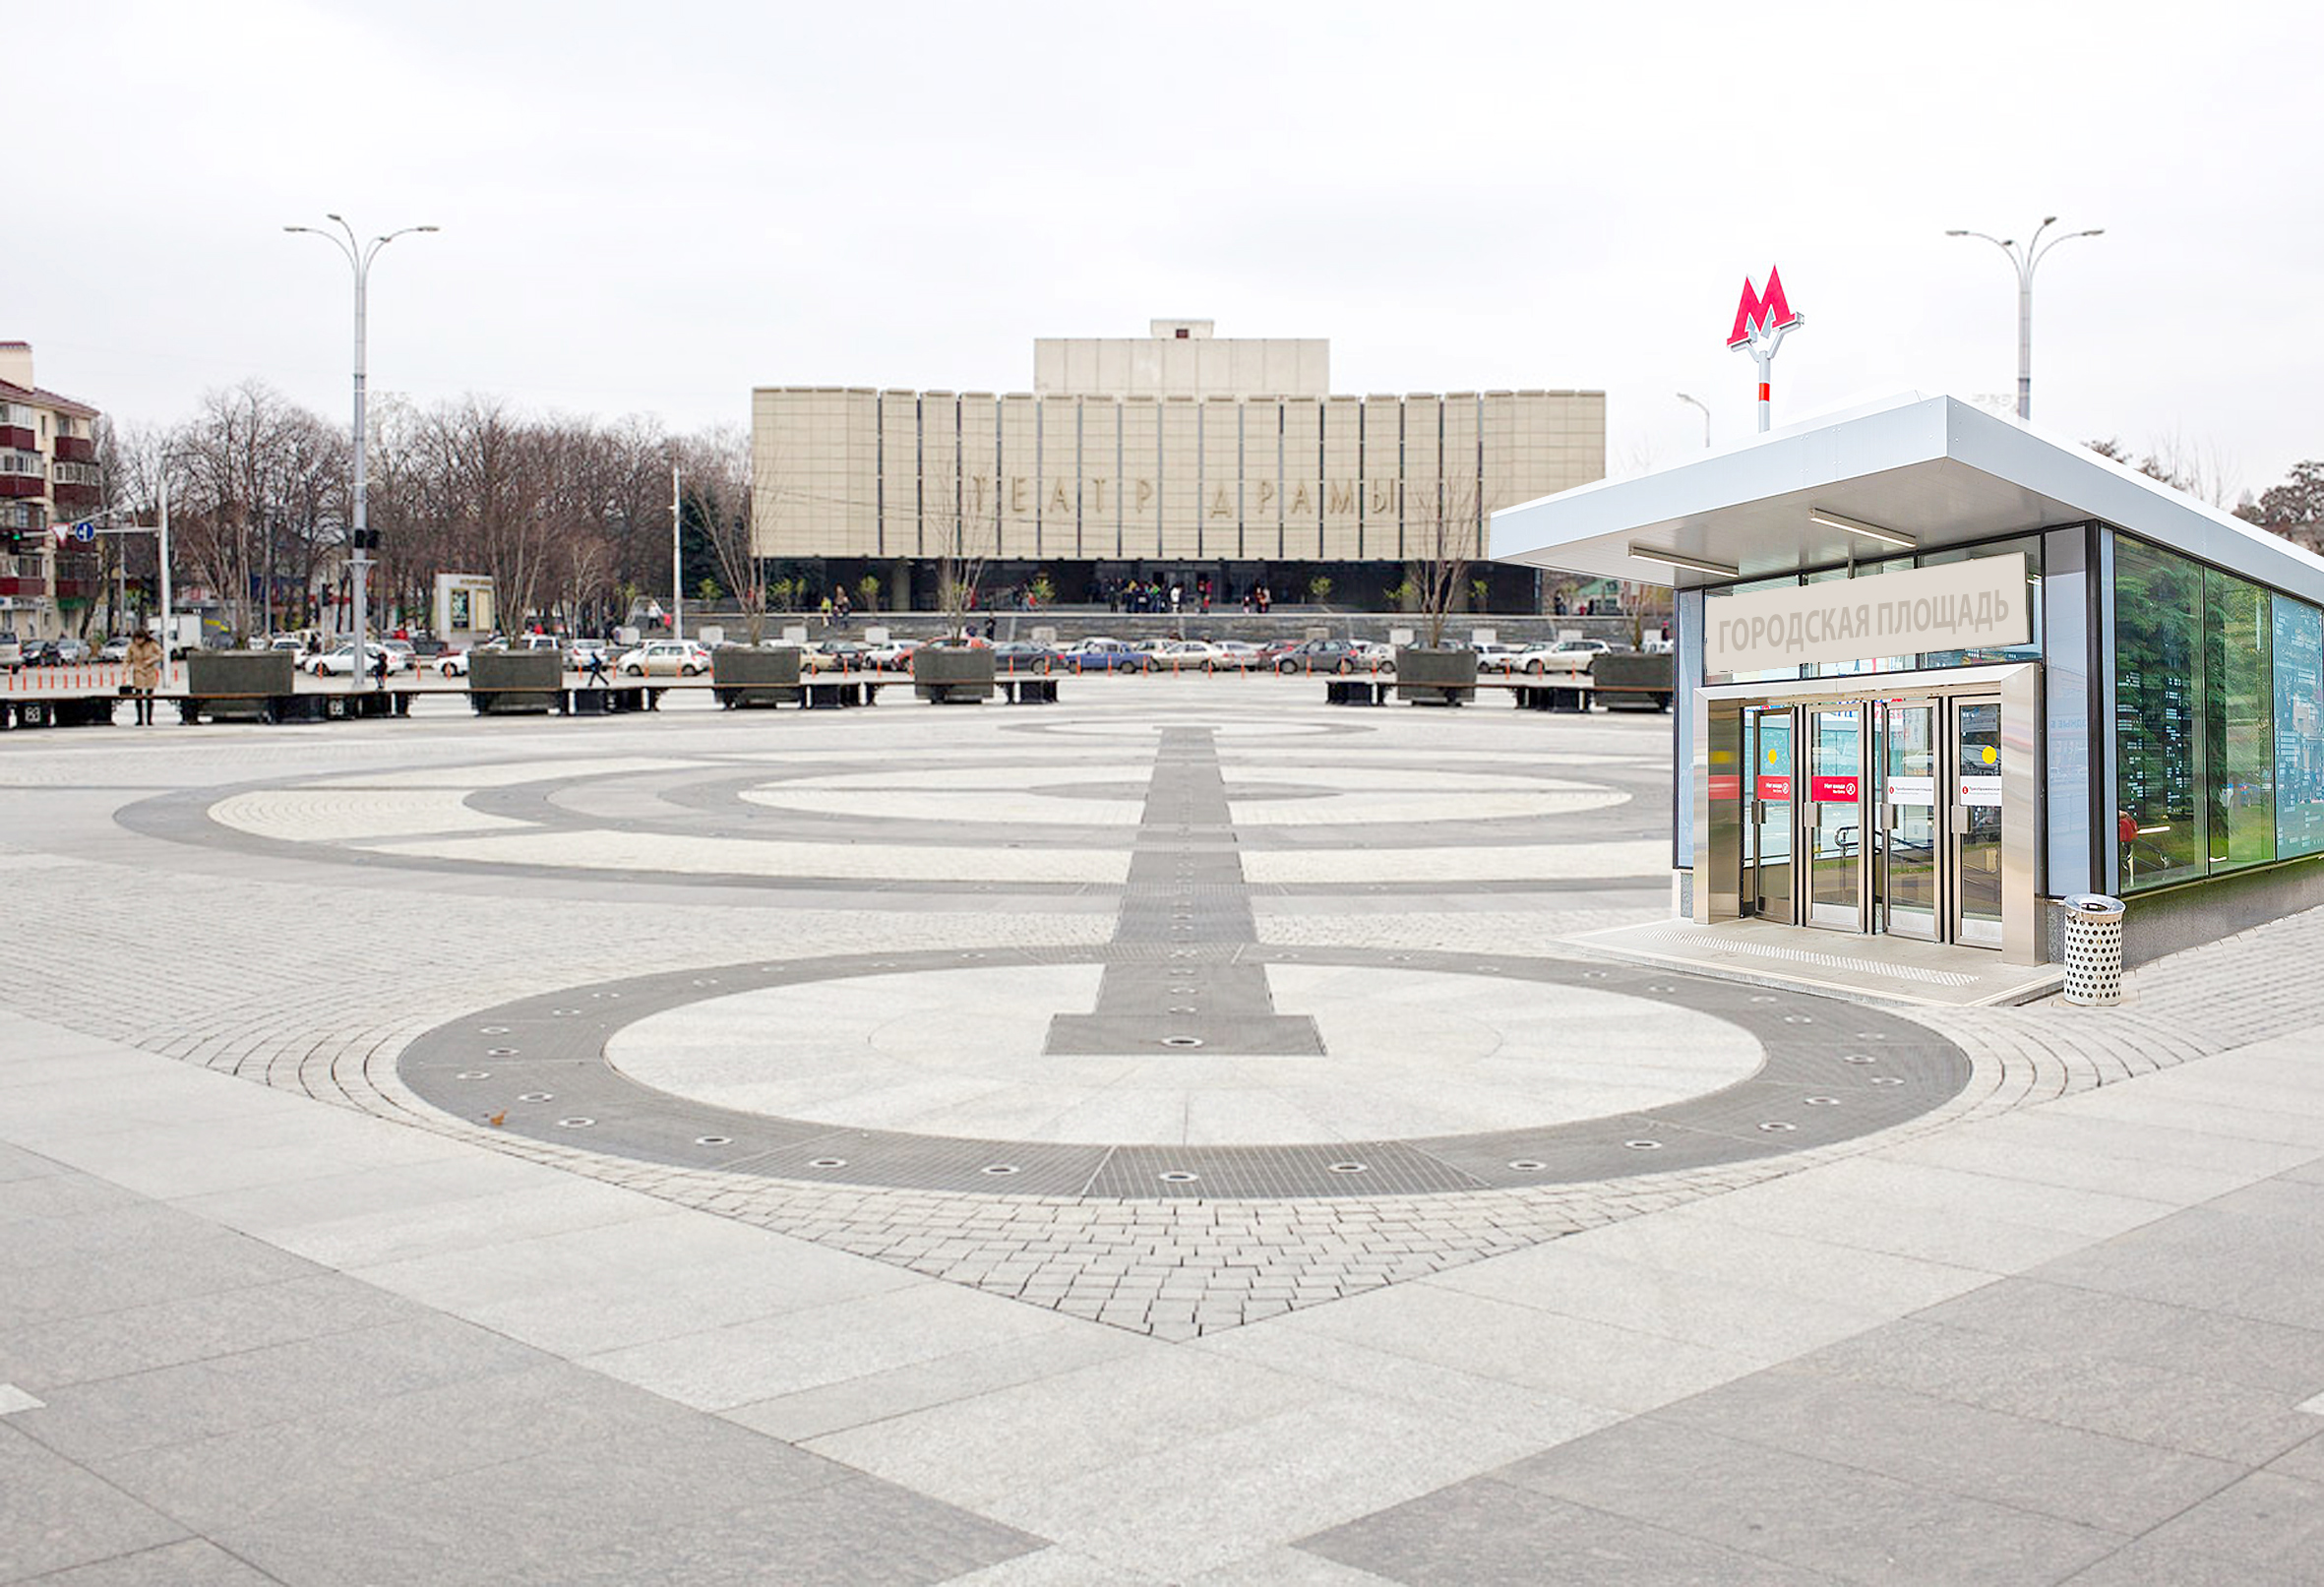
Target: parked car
[
  {"x": 12, "y": 652},
  {"x": 1325, "y": 656},
  {"x": 1497, "y": 657},
  {"x": 581, "y": 652},
  {"x": 115, "y": 649},
  {"x": 1101, "y": 655},
  {"x": 1201, "y": 655},
  {"x": 69, "y": 653},
  {"x": 340, "y": 663},
  {"x": 893, "y": 656},
  {"x": 1022, "y": 656},
  {"x": 401, "y": 657},
  {"x": 664, "y": 657},
  {"x": 836, "y": 655},
  {"x": 1566, "y": 655},
  {"x": 450, "y": 664}
]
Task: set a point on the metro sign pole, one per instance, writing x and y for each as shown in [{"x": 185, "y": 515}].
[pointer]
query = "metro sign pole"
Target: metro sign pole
[{"x": 1761, "y": 324}]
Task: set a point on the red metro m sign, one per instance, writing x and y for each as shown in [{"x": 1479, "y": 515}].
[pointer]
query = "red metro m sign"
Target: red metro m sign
[
  {"x": 1762, "y": 317},
  {"x": 1760, "y": 322}
]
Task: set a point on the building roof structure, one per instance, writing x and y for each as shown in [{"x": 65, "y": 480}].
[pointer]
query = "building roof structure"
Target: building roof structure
[{"x": 1930, "y": 469}]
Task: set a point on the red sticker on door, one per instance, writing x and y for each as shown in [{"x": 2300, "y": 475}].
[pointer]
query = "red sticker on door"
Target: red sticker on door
[
  {"x": 1726, "y": 787},
  {"x": 1832, "y": 790},
  {"x": 1775, "y": 788}
]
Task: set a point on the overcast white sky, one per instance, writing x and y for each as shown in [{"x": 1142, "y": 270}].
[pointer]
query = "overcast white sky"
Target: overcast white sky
[{"x": 653, "y": 207}]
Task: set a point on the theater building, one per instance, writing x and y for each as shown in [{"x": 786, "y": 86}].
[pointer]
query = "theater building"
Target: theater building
[
  {"x": 1176, "y": 458},
  {"x": 1939, "y": 672}
]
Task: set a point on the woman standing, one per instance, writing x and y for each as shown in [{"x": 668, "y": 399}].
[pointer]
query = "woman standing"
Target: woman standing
[{"x": 145, "y": 675}]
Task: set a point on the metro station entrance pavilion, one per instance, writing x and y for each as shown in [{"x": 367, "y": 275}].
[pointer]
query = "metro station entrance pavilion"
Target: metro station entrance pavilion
[{"x": 1940, "y": 671}]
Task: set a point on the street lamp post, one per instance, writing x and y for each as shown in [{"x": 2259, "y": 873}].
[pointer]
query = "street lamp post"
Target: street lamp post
[
  {"x": 1706, "y": 417},
  {"x": 2022, "y": 259},
  {"x": 359, "y": 256}
]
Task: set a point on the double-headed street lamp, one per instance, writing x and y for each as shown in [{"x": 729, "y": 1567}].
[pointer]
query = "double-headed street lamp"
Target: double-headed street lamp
[
  {"x": 2023, "y": 258},
  {"x": 359, "y": 256}
]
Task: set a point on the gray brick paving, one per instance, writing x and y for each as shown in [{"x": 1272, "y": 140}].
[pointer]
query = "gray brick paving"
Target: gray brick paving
[
  {"x": 2162, "y": 1365},
  {"x": 221, "y": 1424}
]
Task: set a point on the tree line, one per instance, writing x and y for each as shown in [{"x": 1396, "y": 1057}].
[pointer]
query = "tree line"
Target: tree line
[{"x": 568, "y": 517}]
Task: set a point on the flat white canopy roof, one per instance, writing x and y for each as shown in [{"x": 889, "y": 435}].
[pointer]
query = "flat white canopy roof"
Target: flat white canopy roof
[{"x": 1932, "y": 470}]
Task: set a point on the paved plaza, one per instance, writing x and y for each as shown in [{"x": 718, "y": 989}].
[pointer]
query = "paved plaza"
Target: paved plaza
[{"x": 1181, "y": 1134}]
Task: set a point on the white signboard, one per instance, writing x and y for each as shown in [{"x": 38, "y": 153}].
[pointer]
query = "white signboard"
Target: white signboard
[
  {"x": 1912, "y": 790},
  {"x": 1981, "y": 791},
  {"x": 1979, "y": 604}
]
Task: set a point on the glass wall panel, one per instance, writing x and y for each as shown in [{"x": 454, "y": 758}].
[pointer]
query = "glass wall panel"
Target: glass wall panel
[
  {"x": 1845, "y": 669},
  {"x": 2299, "y": 727},
  {"x": 1711, "y": 616},
  {"x": 2158, "y": 715},
  {"x": 2031, "y": 545},
  {"x": 2238, "y": 711}
]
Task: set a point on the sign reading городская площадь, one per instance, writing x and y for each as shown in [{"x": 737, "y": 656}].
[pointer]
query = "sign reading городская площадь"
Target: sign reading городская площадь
[{"x": 1978, "y": 604}]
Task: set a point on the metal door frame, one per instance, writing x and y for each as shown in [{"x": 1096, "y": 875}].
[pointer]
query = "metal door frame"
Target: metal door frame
[
  {"x": 1715, "y": 719},
  {"x": 1755, "y": 820},
  {"x": 1804, "y": 809},
  {"x": 1956, "y": 815},
  {"x": 1883, "y": 895}
]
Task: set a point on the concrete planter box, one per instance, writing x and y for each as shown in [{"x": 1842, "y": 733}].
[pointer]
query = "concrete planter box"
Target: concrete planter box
[
  {"x": 513, "y": 682},
  {"x": 1641, "y": 682},
  {"x": 742, "y": 674},
  {"x": 951, "y": 675},
  {"x": 1426, "y": 677},
  {"x": 240, "y": 684}
]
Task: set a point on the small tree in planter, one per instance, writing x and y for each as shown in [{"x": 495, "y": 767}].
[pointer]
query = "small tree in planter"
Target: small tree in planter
[
  {"x": 866, "y": 592},
  {"x": 1319, "y": 588},
  {"x": 952, "y": 670},
  {"x": 1444, "y": 520}
]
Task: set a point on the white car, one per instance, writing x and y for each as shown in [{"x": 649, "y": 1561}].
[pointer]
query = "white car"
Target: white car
[
  {"x": 340, "y": 663},
  {"x": 893, "y": 656},
  {"x": 663, "y": 657},
  {"x": 451, "y": 664},
  {"x": 1566, "y": 655},
  {"x": 1201, "y": 655}
]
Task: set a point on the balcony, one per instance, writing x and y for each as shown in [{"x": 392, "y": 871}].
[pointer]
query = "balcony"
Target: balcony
[
  {"x": 17, "y": 438},
  {"x": 23, "y": 587},
  {"x": 77, "y": 495},
  {"x": 70, "y": 448},
  {"x": 23, "y": 485}
]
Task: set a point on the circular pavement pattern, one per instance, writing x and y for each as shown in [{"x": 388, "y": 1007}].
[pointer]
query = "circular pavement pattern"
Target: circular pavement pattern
[{"x": 1830, "y": 1072}]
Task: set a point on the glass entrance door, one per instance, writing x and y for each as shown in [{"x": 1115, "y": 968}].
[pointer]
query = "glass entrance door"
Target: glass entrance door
[
  {"x": 1907, "y": 806},
  {"x": 1974, "y": 840},
  {"x": 1767, "y": 827},
  {"x": 1833, "y": 828}
]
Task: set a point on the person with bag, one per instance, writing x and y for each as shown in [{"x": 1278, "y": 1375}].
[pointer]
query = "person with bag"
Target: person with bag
[{"x": 145, "y": 675}]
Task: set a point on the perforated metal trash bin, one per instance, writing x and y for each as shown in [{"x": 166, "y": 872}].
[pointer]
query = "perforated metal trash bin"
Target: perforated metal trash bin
[{"x": 2094, "y": 948}]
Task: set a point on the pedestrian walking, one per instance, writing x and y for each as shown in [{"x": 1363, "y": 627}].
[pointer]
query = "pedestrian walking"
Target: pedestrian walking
[
  {"x": 145, "y": 675},
  {"x": 595, "y": 676}
]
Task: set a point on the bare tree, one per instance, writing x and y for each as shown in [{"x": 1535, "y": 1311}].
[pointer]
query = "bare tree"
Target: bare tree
[
  {"x": 1443, "y": 530},
  {"x": 719, "y": 474}
]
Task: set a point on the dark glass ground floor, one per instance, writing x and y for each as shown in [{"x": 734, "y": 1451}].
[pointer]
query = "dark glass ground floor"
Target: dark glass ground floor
[{"x": 1348, "y": 585}]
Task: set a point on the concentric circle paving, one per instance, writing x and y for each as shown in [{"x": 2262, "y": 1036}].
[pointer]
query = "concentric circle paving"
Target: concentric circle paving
[{"x": 1830, "y": 1072}]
